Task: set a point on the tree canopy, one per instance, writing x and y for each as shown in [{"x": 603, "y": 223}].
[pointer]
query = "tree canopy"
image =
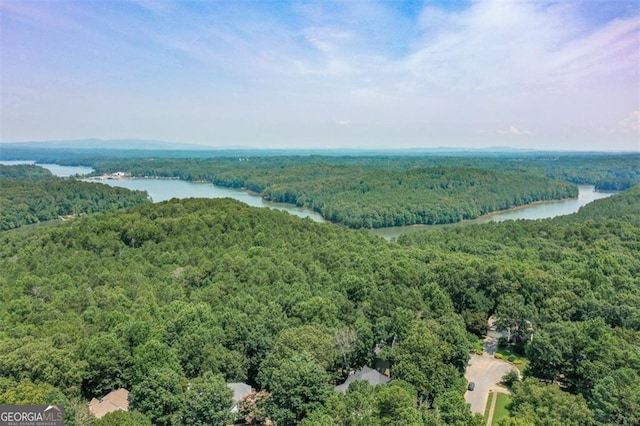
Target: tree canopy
[
  {"x": 172, "y": 300},
  {"x": 30, "y": 194}
]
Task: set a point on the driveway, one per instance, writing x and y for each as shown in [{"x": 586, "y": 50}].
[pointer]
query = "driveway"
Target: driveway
[{"x": 486, "y": 372}]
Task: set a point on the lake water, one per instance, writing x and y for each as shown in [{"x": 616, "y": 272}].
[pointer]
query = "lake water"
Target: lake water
[
  {"x": 586, "y": 194},
  {"x": 542, "y": 210},
  {"x": 165, "y": 189},
  {"x": 61, "y": 171}
]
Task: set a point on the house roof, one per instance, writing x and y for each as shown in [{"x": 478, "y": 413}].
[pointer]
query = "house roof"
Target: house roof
[
  {"x": 370, "y": 375},
  {"x": 113, "y": 401},
  {"x": 239, "y": 391}
]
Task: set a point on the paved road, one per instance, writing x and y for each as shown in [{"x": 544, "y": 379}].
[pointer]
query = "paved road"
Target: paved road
[{"x": 486, "y": 372}]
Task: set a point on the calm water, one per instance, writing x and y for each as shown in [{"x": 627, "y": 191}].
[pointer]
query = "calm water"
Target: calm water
[
  {"x": 548, "y": 209},
  {"x": 61, "y": 171},
  {"x": 542, "y": 210},
  {"x": 165, "y": 189}
]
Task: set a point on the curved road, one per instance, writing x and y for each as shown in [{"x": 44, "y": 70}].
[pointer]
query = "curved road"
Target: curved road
[{"x": 486, "y": 372}]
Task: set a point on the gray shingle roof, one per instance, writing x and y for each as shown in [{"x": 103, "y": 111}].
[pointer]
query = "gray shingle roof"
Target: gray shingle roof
[{"x": 368, "y": 374}]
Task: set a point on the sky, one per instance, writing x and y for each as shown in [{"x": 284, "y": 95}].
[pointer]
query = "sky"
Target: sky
[{"x": 324, "y": 74}]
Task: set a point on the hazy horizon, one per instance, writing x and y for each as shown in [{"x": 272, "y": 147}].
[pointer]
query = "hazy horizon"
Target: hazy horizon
[
  {"x": 359, "y": 74},
  {"x": 92, "y": 144}
]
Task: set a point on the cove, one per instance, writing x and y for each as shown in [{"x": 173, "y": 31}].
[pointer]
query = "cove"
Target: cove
[
  {"x": 541, "y": 210},
  {"x": 166, "y": 189},
  {"x": 57, "y": 170}
]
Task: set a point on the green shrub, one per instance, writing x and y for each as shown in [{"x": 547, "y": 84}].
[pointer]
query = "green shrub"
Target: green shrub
[{"x": 511, "y": 377}]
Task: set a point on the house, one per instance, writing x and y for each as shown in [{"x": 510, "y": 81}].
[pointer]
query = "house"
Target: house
[
  {"x": 113, "y": 401},
  {"x": 510, "y": 334},
  {"x": 493, "y": 331},
  {"x": 240, "y": 390},
  {"x": 370, "y": 375}
]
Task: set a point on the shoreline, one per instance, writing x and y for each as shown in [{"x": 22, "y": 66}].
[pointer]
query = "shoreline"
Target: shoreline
[
  {"x": 389, "y": 232},
  {"x": 393, "y": 232},
  {"x": 243, "y": 194}
]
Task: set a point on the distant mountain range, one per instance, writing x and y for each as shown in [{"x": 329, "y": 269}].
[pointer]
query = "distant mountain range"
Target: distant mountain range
[
  {"x": 118, "y": 144},
  {"x": 140, "y": 148}
]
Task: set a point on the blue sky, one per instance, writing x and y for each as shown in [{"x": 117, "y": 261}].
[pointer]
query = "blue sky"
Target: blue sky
[{"x": 313, "y": 74}]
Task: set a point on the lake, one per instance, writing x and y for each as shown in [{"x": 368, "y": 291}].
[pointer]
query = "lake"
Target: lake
[
  {"x": 60, "y": 171},
  {"x": 542, "y": 210},
  {"x": 165, "y": 189}
]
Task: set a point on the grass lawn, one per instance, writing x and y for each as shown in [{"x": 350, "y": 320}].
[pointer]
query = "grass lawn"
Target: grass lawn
[
  {"x": 505, "y": 352},
  {"x": 478, "y": 347},
  {"x": 487, "y": 408},
  {"x": 501, "y": 411}
]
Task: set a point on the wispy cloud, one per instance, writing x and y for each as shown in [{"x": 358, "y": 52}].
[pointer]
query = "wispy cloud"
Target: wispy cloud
[
  {"x": 160, "y": 8},
  {"x": 514, "y": 68},
  {"x": 498, "y": 45},
  {"x": 629, "y": 125},
  {"x": 514, "y": 131}
]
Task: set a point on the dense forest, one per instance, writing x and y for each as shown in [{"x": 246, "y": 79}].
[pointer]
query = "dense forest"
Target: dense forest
[
  {"x": 380, "y": 191},
  {"x": 369, "y": 195},
  {"x": 172, "y": 300},
  {"x": 159, "y": 295},
  {"x": 375, "y": 199},
  {"x": 29, "y": 171},
  {"x": 605, "y": 171},
  {"x": 31, "y": 194},
  {"x": 568, "y": 289},
  {"x": 374, "y": 191}
]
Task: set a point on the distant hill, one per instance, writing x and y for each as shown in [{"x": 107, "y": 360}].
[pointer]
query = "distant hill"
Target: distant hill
[
  {"x": 117, "y": 144},
  {"x": 135, "y": 148}
]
